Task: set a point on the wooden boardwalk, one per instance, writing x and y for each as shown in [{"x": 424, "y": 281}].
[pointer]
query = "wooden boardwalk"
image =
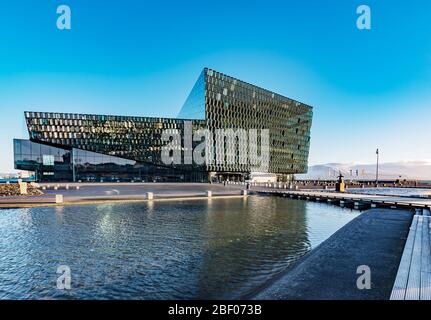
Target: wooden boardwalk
[
  {"x": 360, "y": 201},
  {"x": 413, "y": 281}
]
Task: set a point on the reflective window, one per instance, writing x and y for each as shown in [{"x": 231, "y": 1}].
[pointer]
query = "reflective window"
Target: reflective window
[
  {"x": 25, "y": 147},
  {"x": 48, "y": 160}
]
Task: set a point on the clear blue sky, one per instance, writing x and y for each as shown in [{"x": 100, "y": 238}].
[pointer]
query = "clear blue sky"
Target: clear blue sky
[{"x": 369, "y": 88}]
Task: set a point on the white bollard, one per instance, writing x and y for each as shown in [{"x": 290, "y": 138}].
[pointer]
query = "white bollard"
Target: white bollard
[
  {"x": 58, "y": 198},
  {"x": 67, "y": 187},
  {"x": 150, "y": 196},
  {"x": 23, "y": 187},
  {"x": 77, "y": 187},
  {"x": 244, "y": 192},
  {"x": 209, "y": 193},
  {"x": 55, "y": 188}
]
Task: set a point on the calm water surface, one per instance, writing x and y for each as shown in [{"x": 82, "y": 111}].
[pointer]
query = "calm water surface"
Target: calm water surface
[
  {"x": 403, "y": 192},
  {"x": 220, "y": 248}
]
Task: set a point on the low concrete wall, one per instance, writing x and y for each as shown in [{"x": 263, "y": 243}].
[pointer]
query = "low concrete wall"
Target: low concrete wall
[{"x": 376, "y": 239}]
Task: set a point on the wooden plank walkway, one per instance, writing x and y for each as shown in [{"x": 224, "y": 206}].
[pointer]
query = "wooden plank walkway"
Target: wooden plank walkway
[
  {"x": 413, "y": 281},
  {"x": 372, "y": 200}
]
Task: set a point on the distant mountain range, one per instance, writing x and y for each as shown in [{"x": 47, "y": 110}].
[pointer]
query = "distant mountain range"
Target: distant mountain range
[{"x": 415, "y": 170}]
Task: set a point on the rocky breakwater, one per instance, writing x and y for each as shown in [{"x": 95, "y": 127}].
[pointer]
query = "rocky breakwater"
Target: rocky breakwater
[{"x": 14, "y": 189}]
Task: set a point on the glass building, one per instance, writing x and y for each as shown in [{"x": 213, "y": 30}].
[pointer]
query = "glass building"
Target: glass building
[
  {"x": 83, "y": 147},
  {"x": 59, "y": 164}
]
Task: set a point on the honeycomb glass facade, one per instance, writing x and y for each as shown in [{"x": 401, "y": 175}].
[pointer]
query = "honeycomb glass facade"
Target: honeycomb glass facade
[
  {"x": 231, "y": 103},
  {"x": 68, "y": 146}
]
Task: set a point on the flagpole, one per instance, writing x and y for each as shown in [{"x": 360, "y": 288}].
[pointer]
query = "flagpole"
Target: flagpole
[{"x": 377, "y": 168}]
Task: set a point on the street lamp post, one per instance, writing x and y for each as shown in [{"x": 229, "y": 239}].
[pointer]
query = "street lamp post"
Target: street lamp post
[{"x": 377, "y": 168}]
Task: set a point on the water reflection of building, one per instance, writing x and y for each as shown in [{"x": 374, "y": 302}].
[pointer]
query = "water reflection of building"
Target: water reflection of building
[
  {"x": 263, "y": 237},
  {"x": 73, "y": 147}
]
